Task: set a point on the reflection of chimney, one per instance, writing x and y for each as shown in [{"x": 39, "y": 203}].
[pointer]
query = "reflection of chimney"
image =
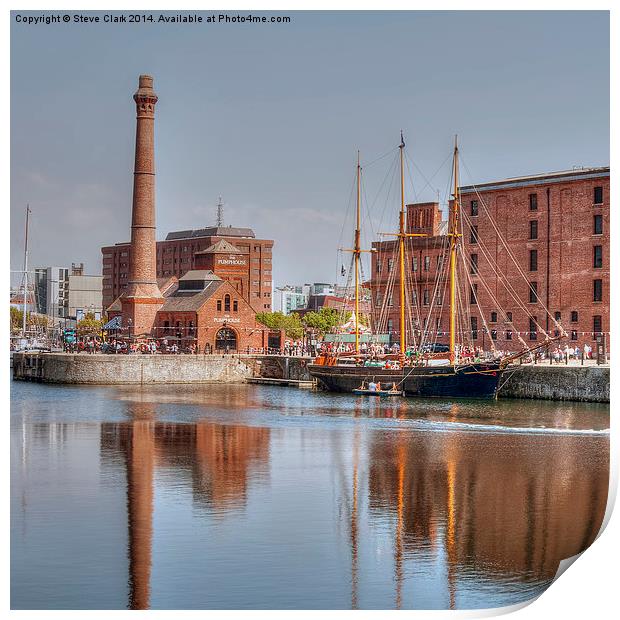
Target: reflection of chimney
[
  {"x": 143, "y": 297},
  {"x": 140, "y": 465}
]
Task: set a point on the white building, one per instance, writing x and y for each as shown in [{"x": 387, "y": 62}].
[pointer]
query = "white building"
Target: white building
[
  {"x": 68, "y": 293},
  {"x": 288, "y": 298}
]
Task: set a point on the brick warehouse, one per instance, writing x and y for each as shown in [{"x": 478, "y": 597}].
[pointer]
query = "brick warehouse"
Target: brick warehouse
[
  {"x": 196, "y": 287},
  {"x": 556, "y": 226}
]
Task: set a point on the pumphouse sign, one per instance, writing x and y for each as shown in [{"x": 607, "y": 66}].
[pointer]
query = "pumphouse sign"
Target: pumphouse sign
[{"x": 231, "y": 260}]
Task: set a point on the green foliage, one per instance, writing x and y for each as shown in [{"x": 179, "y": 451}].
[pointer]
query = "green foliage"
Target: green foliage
[
  {"x": 324, "y": 320},
  {"x": 277, "y": 320},
  {"x": 17, "y": 317},
  {"x": 32, "y": 320},
  {"x": 89, "y": 325}
]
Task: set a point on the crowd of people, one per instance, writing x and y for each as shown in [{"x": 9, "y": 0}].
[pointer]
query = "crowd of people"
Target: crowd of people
[{"x": 300, "y": 348}]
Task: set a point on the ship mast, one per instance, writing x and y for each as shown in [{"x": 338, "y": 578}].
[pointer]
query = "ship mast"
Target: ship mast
[
  {"x": 25, "y": 291},
  {"x": 356, "y": 256},
  {"x": 401, "y": 247},
  {"x": 454, "y": 239}
]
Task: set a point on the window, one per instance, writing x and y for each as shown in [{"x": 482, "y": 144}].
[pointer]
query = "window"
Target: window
[
  {"x": 378, "y": 266},
  {"x": 390, "y": 301},
  {"x": 598, "y": 290},
  {"x": 557, "y": 316},
  {"x": 427, "y": 263},
  {"x": 533, "y": 229},
  {"x": 473, "y": 293},
  {"x": 226, "y": 303},
  {"x": 493, "y": 334},
  {"x": 509, "y": 317},
  {"x": 509, "y": 334},
  {"x": 473, "y": 263},
  {"x": 533, "y": 260},
  {"x": 573, "y": 334},
  {"x": 425, "y": 297},
  {"x": 378, "y": 302},
  {"x": 390, "y": 325},
  {"x": 533, "y": 334},
  {"x": 533, "y": 202},
  {"x": 439, "y": 263},
  {"x": 598, "y": 195},
  {"x": 473, "y": 234},
  {"x": 219, "y": 305},
  {"x": 597, "y": 324},
  {"x": 533, "y": 292},
  {"x": 439, "y": 298},
  {"x": 414, "y": 263},
  {"x": 474, "y": 207},
  {"x": 474, "y": 327},
  {"x": 598, "y": 256},
  {"x": 493, "y": 317},
  {"x": 598, "y": 225},
  {"x": 574, "y": 316},
  {"x": 390, "y": 265},
  {"x": 235, "y": 306},
  {"x": 414, "y": 297}
]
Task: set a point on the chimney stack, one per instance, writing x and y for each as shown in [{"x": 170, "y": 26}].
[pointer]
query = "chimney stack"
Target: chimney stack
[{"x": 143, "y": 298}]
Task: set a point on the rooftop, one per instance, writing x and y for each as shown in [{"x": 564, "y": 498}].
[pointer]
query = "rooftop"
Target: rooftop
[
  {"x": 537, "y": 179},
  {"x": 212, "y": 231},
  {"x": 222, "y": 246}
]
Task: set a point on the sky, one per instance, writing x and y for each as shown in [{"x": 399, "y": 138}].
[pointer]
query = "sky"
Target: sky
[{"x": 271, "y": 116}]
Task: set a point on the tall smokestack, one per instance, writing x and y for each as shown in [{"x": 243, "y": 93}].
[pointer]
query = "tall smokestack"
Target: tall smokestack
[{"x": 143, "y": 297}]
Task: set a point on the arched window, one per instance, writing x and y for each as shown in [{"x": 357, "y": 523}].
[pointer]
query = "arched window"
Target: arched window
[{"x": 226, "y": 303}]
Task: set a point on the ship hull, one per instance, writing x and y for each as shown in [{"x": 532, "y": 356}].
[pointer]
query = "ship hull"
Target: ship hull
[{"x": 468, "y": 381}]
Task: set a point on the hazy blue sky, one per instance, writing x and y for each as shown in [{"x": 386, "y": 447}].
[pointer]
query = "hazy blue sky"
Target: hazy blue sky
[{"x": 270, "y": 116}]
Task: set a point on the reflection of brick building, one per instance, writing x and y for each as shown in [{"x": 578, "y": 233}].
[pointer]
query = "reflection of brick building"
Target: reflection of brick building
[
  {"x": 243, "y": 259},
  {"x": 556, "y": 227}
]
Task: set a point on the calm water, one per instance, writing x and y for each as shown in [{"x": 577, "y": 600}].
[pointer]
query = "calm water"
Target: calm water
[{"x": 267, "y": 497}]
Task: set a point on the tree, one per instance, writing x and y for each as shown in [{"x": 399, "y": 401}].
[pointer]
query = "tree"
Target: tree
[
  {"x": 89, "y": 325},
  {"x": 17, "y": 318},
  {"x": 291, "y": 323},
  {"x": 324, "y": 320}
]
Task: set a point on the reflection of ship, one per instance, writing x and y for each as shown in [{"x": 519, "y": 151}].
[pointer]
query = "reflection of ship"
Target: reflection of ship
[
  {"x": 417, "y": 368},
  {"x": 498, "y": 510}
]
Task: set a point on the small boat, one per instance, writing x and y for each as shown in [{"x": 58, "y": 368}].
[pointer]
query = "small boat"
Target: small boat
[{"x": 374, "y": 389}]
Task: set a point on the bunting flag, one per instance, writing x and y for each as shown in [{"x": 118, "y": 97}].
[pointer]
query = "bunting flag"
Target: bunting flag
[{"x": 115, "y": 323}]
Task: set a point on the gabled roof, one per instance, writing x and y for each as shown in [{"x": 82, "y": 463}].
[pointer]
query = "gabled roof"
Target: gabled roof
[
  {"x": 182, "y": 302},
  {"x": 222, "y": 246},
  {"x": 199, "y": 274}
]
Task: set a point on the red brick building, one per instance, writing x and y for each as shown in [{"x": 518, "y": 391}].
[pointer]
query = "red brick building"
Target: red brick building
[
  {"x": 202, "y": 309},
  {"x": 530, "y": 244},
  {"x": 243, "y": 260}
]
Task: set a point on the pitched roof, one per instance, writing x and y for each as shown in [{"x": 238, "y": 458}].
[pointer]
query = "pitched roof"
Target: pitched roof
[
  {"x": 182, "y": 302},
  {"x": 199, "y": 274},
  {"x": 224, "y": 247}
]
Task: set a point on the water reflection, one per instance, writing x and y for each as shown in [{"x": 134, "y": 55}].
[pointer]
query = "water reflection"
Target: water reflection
[
  {"x": 222, "y": 513},
  {"x": 499, "y": 505},
  {"x": 219, "y": 459}
]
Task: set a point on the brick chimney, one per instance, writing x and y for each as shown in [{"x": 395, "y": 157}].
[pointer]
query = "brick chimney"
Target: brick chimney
[{"x": 143, "y": 298}]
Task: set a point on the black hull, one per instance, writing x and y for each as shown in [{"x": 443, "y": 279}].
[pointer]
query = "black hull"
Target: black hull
[{"x": 469, "y": 381}]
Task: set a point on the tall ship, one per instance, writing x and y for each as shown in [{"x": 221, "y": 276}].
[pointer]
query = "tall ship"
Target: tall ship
[{"x": 415, "y": 366}]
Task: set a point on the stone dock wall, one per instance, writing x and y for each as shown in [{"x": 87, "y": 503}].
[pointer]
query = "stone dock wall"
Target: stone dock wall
[
  {"x": 142, "y": 369},
  {"x": 577, "y": 383}
]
